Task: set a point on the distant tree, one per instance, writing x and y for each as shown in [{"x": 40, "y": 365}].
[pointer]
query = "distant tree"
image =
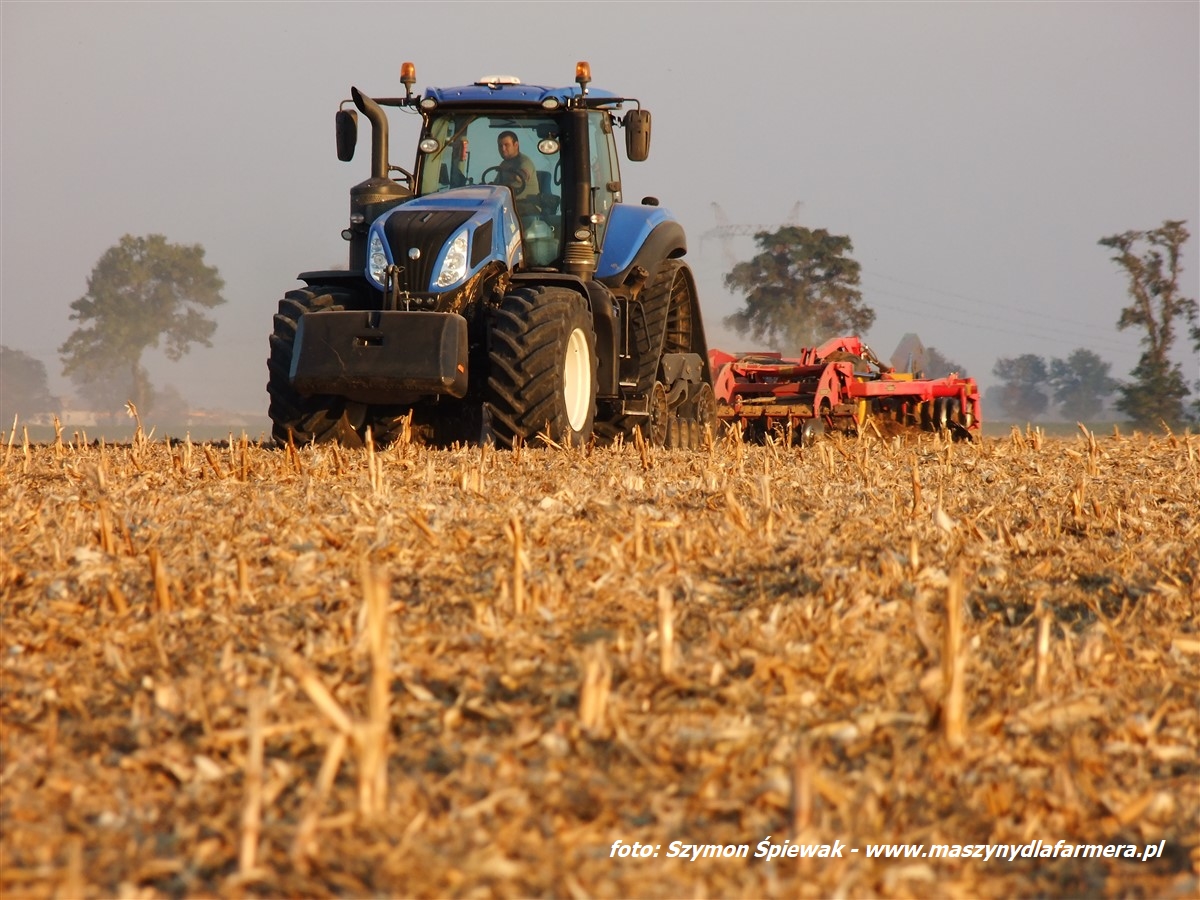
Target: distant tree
[
  {"x": 108, "y": 394},
  {"x": 800, "y": 290},
  {"x": 1080, "y": 384},
  {"x": 1021, "y": 395},
  {"x": 109, "y": 390},
  {"x": 1196, "y": 347},
  {"x": 938, "y": 366},
  {"x": 1151, "y": 260},
  {"x": 24, "y": 387},
  {"x": 143, "y": 290}
]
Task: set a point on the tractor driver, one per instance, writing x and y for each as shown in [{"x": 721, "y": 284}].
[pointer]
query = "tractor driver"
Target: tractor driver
[{"x": 516, "y": 169}]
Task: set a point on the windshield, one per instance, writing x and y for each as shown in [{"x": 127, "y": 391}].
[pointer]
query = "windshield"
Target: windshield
[
  {"x": 522, "y": 154},
  {"x": 480, "y": 149}
]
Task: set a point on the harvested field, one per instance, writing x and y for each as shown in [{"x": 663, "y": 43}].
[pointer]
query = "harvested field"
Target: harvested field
[{"x": 233, "y": 670}]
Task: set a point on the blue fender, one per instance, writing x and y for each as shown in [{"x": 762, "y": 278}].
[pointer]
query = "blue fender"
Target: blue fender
[{"x": 638, "y": 235}]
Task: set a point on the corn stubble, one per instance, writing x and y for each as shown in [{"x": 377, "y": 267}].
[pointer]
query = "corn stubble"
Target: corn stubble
[{"x": 235, "y": 670}]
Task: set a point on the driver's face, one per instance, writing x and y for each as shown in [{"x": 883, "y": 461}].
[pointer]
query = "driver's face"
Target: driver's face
[{"x": 508, "y": 147}]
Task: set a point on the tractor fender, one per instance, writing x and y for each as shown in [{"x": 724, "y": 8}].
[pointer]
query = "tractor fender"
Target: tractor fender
[
  {"x": 345, "y": 279},
  {"x": 638, "y": 236}
]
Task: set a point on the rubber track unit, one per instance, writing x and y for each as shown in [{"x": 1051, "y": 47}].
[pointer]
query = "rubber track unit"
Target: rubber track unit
[
  {"x": 660, "y": 323},
  {"x": 528, "y": 344}
]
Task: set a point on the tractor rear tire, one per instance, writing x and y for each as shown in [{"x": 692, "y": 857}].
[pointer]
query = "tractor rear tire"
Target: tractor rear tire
[{"x": 542, "y": 368}]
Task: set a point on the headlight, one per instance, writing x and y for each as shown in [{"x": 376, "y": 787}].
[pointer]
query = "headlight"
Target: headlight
[
  {"x": 454, "y": 266},
  {"x": 377, "y": 260}
]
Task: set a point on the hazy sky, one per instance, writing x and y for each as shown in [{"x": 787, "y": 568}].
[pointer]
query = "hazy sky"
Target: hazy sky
[{"x": 973, "y": 152}]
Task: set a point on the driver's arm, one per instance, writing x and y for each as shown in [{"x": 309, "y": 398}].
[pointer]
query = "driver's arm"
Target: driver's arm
[{"x": 529, "y": 173}]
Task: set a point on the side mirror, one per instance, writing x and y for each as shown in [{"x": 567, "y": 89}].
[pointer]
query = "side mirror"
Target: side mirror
[
  {"x": 637, "y": 134},
  {"x": 346, "y": 127}
]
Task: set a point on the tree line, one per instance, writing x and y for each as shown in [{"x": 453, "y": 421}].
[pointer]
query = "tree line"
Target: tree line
[
  {"x": 801, "y": 288},
  {"x": 1078, "y": 385}
]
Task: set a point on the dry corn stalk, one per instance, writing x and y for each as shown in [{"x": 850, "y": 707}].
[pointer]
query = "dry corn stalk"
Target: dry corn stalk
[
  {"x": 1042, "y": 663},
  {"x": 252, "y": 809},
  {"x": 593, "y": 693},
  {"x": 516, "y": 536},
  {"x": 954, "y": 664},
  {"x": 666, "y": 631},
  {"x": 372, "y": 735}
]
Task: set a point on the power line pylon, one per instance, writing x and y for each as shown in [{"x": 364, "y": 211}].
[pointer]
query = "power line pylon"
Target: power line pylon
[{"x": 726, "y": 231}]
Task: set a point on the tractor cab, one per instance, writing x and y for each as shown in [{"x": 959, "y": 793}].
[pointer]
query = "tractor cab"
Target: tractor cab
[
  {"x": 554, "y": 148},
  {"x": 460, "y": 149}
]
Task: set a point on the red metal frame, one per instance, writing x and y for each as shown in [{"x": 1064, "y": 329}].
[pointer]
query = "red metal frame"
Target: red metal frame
[{"x": 772, "y": 391}]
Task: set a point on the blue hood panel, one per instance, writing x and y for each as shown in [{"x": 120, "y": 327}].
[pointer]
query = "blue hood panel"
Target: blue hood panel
[{"x": 483, "y": 211}]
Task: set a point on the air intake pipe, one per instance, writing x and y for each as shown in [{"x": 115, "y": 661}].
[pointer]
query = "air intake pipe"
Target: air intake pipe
[
  {"x": 371, "y": 198},
  {"x": 379, "y": 131}
]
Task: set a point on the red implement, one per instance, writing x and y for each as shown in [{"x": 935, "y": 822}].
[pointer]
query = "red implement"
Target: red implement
[{"x": 841, "y": 385}]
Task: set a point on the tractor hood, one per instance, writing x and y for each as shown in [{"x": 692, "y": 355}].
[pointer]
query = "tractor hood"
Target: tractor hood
[{"x": 433, "y": 244}]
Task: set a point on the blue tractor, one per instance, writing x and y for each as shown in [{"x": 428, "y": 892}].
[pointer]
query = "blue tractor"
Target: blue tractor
[{"x": 500, "y": 291}]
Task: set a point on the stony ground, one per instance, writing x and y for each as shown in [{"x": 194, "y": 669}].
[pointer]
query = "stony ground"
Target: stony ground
[{"x": 234, "y": 670}]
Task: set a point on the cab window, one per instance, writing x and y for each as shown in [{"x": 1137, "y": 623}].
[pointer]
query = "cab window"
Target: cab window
[{"x": 606, "y": 177}]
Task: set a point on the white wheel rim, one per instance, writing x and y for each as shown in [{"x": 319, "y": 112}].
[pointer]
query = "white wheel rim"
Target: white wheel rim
[{"x": 577, "y": 380}]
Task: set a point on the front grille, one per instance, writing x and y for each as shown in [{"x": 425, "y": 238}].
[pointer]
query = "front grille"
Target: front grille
[{"x": 427, "y": 230}]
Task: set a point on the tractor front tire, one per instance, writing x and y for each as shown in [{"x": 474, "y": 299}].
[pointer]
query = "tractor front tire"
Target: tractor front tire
[
  {"x": 295, "y": 417},
  {"x": 542, "y": 368}
]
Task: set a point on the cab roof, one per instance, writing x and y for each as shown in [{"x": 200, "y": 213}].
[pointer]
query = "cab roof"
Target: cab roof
[{"x": 500, "y": 91}]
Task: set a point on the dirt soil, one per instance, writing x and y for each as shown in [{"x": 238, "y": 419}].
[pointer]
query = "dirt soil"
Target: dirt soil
[{"x": 241, "y": 671}]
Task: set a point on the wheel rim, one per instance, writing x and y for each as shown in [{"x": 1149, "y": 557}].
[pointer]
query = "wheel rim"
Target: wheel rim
[
  {"x": 577, "y": 380},
  {"x": 706, "y": 407},
  {"x": 813, "y": 429},
  {"x": 659, "y": 414}
]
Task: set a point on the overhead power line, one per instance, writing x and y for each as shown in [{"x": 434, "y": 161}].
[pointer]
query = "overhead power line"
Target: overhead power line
[
  {"x": 986, "y": 304},
  {"x": 1042, "y": 337},
  {"x": 996, "y": 312},
  {"x": 997, "y": 323},
  {"x": 726, "y": 231}
]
